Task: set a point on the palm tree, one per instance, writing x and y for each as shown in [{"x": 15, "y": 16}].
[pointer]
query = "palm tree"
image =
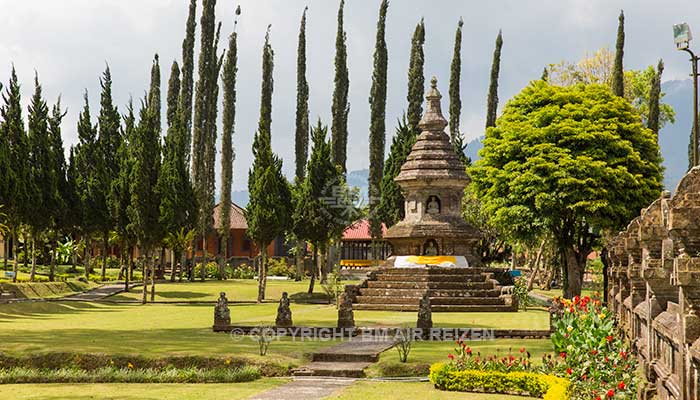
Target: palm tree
[{"x": 179, "y": 242}]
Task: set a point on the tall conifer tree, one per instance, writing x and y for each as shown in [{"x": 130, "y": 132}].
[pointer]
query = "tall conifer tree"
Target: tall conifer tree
[
  {"x": 492, "y": 101},
  {"x": 456, "y": 136},
  {"x": 41, "y": 184},
  {"x": 618, "y": 75},
  {"x": 17, "y": 200},
  {"x": 268, "y": 212},
  {"x": 187, "y": 85},
  {"x": 416, "y": 79},
  {"x": 60, "y": 204},
  {"x": 301, "y": 141},
  {"x": 227, "y": 153},
  {"x": 377, "y": 129},
  {"x": 340, "y": 108},
  {"x": 154, "y": 110},
  {"x": 655, "y": 99}
]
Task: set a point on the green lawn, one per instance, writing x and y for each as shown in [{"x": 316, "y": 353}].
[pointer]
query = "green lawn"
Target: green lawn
[
  {"x": 229, "y": 391},
  {"x": 46, "y": 290},
  {"x": 558, "y": 293},
  {"x": 363, "y": 390}
]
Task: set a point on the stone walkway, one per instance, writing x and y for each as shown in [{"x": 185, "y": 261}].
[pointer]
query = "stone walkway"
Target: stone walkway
[
  {"x": 306, "y": 389},
  {"x": 98, "y": 293},
  {"x": 348, "y": 359}
]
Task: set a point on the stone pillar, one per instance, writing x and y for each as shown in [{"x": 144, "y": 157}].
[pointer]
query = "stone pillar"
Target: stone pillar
[{"x": 346, "y": 317}]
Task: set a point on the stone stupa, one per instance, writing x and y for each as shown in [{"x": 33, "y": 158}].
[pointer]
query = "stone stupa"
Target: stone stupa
[{"x": 432, "y": 180}]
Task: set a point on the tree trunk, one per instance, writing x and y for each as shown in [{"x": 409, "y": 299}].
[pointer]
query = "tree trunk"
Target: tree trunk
[
  {"x": 122, "y": 264},
  {"x": 172, "y": 265},
  {"x": 222, "y": 266},
  {"x": 105, "y": 246},
  {"x": 312, "y": 281},
  {"x": 15, "y": 261},
  {"x": 205, "y": 256},
  {"x": 153, "y": 275},
  {"x": 190, "y": 267},
  {"x": 322, "y": 265},
  {"x": 32, "y": 275},
  {"x": 5, "y": 251},
  {"x": 535, "y": 266},
  {"x": 86, "y": 259},
  {"x": 606, "y": 263},
  {"x": 262, "y": 273},
  {"x": 574, "y": 269},
  {"x": 299, "y": 260},
  {"x": 129, "y": 268},
  {"x": 52, "y": 264},
  {"x": 144, "y": 292}
]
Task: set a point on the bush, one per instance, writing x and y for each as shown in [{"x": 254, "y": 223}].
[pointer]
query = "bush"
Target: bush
[
  {"x": 520, "y": 292},
  {"x": 279, "y": 267},
  {"x": 37, "y": 278},
  {"x": 243, "y": 271},
  {"x": 450, "y": 377},
  {"x": 212, "y": 270},
  {"x": 334, "y": 287}
]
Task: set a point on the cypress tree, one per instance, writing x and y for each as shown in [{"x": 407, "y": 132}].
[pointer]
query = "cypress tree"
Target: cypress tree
[
  {"x": 268, "y": 213},
  {"x": 74, "y": 213},
  {"x": 391, "y": 207},
  {"x": 202, "y": 154},
  {"x": 301, "y": 142},
  {"x": 416, "y": 79},
  {"x": 58, "y": 164},
  {"x": 655, "y": 99},
  {"x": 108, "y": 142},
  {"x": 41, "y": 184},
  {"x": 618, "y": 75},
  {"x": 86, "y": 158},
  {"x": 18, "y": 199},
  {"x": 187, "y": 85},
  {"x": 340, "y": 108},
  {"x": 154, "y": 111},
  {"x": 227, "y": 153},
  {"x": 455, "y": 101},
  {"x": 143, "y": 208},
  {"x": 492, "y": 102},
  {"x": 377, "y": 129}
]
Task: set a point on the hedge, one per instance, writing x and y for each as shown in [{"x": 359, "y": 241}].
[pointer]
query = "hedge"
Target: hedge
[{"x": 447, "y": 377}]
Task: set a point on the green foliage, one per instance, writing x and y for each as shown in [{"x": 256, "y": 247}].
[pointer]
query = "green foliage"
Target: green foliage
[
  {"x": 653, "y": 121},
  {"x": 243, "y": 271},
  {"x": 279, "y": 267},
  {"x": 334, "y": 287},
  {"x": 340, "y": 107},
  {"x": 391, "y": 205},
  {"x": 643, "y": 90},
  {"x": 377, "y": 129},
  {"x": 404, "y": 341},
  {"x": 211, "y": 270},
  {"x": 618, "y": 78},
  {"x": 456, "y": 136},
  {"x": 492, "y": 101},
  {"x": 229, "y": 116},
  {"x": 416, "y": 79},
  {"x": 263, "y": 335},
  {"x": 187, "y": 84},
  {"x": 520, "y": 292},
  {"x": 449, "y": 377},
  {"x": 301, "y": 137},
  {"x": 573, "y": 161},
  {"x": 591, "y": 350}
]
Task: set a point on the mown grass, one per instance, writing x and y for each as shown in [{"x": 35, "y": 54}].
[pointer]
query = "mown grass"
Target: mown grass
[
  {"x": 229, "y": 391},
  {"x": 46, "y": 290},
  {"x": 363, "y": 390}
]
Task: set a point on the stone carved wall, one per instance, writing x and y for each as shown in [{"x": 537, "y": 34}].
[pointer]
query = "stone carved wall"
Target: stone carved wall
[{"x": 655, "y": 290}]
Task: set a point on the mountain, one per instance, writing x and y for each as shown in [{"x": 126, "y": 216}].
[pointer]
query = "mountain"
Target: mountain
[{"x": 673, "y": 138}]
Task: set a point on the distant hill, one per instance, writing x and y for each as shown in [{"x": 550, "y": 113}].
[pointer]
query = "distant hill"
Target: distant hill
[{"x": 673, "y": 138}]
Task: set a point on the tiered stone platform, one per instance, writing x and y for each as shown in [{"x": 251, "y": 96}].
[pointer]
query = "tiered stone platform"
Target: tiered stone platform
[{"x": 449, "y": 289}]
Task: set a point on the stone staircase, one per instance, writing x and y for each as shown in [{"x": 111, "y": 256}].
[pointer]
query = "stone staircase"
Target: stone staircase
[
  {"x": 346, "y": 360},
  {"x": 449, "y": 289}
]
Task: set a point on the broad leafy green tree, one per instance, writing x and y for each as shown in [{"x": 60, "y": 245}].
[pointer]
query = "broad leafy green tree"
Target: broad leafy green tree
[{"x": 571, "y": 161}]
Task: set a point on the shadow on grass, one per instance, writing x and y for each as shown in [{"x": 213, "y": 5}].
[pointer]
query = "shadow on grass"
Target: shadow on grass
[
  {"x": 46, "y": 310},
  {"x": 181, "y": 295}
]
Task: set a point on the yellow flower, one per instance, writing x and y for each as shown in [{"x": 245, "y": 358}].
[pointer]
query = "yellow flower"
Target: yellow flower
[
  {"x": 130, "y": 366},
  {"x": 569, "y": 328},
  {"x": 584, "y": 316},
  {"x": 228, "y": 361},
  {"x": 602, "y": 315}
]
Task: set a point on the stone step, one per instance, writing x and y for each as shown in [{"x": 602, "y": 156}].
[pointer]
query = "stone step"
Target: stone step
[
  {"x": 432, "y": 292},
  {"x": 433, "y": 301},
  {"x": 336, "y": 369},
  {"x": 430, "y": 278},
  {"x": 437, "y": 308},
  {"x": 430, "y": 285}
]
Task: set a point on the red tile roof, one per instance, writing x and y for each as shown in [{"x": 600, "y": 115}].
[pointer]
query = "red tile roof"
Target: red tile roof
[
  {"x": 237, "y": 217},
  {"x": 359, "y": 230}
]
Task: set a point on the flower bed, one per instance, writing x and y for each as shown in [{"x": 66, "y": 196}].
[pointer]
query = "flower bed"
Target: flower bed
[{"x": 448, "y": 376}]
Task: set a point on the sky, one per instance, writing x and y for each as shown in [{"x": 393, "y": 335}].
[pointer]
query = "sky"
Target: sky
[{"x": 69, "y": 42}]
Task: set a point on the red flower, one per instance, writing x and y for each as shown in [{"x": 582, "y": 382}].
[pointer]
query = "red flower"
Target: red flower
[
  {"x": 623, "y": 354},
  {"x": 594, "y": 352},
  {"x": 607, "y": 359},
  {"x": 522, "y": 349},
  {"x": 621, "y": 385},
  {"x": 611, "y": 392},
  {"x": 469, "y": 350},
  {"x": 598, "y": 398},
  {"x": 562, "y": 354},
  {"x": 568, "y": 371},
  {"x": 451, "y": 356},
  {"x": 577, "y": 299},
  {"x": 609, "y": 338}
]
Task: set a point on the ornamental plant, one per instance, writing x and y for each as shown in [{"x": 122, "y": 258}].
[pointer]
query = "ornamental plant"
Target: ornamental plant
[
  {"x": 590, "y": 351},
  {"x": 464, "y": 358}
]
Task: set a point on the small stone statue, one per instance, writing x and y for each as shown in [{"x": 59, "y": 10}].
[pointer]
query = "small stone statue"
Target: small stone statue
[
  {"x": 433, "y": 205},
  {"x": 346, "y": 318},
  {"x": 431, "y": 249},
  {"x": 222, "y": 315},
  {"x": 425, "y": 313},
  {"x": 284, "y": 313}
]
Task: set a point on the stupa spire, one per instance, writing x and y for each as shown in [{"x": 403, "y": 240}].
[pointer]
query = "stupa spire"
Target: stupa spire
[{"x": 432, "y": 120}]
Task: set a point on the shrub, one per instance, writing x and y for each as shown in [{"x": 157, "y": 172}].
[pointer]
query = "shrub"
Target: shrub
[
  {"x": 403, "y": 345},
  {"x": 279, "y": 267},
  {"x": 333, "y": 287},
  {"x": 465, "y": 359},
  {"x": 450, "y": 377},
  {"x": 211, "y": 272},
  {"x": 520, "y": 292},
  {"x": 243, "y": 271}
]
